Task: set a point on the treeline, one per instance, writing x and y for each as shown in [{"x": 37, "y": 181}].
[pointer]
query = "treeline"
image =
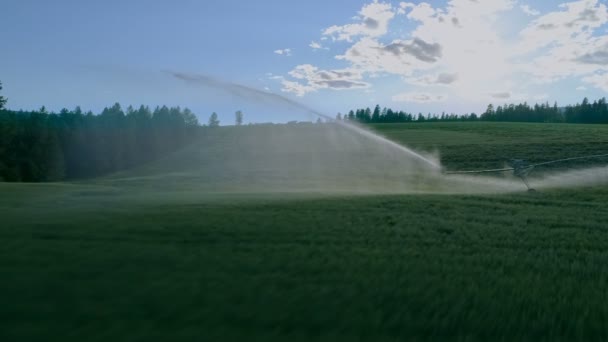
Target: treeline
[
  {"x": 595, "y": 112},
  {"x": 523, "y": 113},
  {"x": 584, "y": 112},
  {"x": 387, "y": 115},
  {"x": 38, "y": 146}
]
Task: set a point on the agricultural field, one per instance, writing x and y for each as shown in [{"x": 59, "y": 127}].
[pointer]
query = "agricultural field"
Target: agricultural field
[
  {"x": 475, "y": 145},
  {"x": 210, "y": 243}
]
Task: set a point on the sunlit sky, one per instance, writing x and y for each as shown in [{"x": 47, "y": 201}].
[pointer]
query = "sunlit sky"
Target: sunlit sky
[{"x": 453, "y": 56}]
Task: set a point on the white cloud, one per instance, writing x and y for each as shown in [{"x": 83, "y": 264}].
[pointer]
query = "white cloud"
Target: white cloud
[
  {"x": 471, "y": 47},
  {"x": 599, "y": 81},
  {"x": 373, "y": 21},
  {"x": 581, "y": 88},
  {"x": 459, "y": 39},
  {"x": 596, "y": 54},
  {"x": 418, "y": 97},
  {"x": 565, "y": 42},
  {"x": 283, "y": 52},
  {"x": 309, "y": 78},
  {"x": 400, "y": 57},
  {"x": 315, "y": 45},
  {"x": 540, "y": 97},
  {"x": 438, "y": 79},
  {"x": 529, "y": 11},
  {"x": 420, "y": 12},
  {"x": 573, "y": 24},
  {"x": 464, "y": 48},
  {"x": 500, "y": 95}
]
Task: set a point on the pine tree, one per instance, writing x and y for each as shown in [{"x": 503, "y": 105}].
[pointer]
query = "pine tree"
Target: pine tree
[
  {"x": 376, "y": 114},
  {"x": 2, "y": 99},
  {"x": 351, "y": 116},
  {"x": 189, "y": 118},
  {"x": 213, "y": 120},
  {"x": 489, "y": 114},
  {"x": 367, "y": 115}
]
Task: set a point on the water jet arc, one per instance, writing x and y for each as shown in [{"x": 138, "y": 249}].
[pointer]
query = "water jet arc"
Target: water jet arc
[{"x": 253, "y": 94}]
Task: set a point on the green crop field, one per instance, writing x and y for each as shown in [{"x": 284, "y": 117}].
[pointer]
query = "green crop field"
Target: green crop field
[{"x": 200, "y": 247}]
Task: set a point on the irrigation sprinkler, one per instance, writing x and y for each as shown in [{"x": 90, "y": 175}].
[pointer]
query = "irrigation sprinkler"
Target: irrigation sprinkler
[{"x": 522, "y": 168}]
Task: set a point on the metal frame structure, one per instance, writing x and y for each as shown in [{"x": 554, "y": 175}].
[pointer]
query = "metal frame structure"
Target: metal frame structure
[{"x": 522, "y": 168}]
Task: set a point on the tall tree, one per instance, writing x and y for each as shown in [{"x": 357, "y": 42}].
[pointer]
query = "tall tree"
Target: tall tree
[
  {"x": 238, "y": 116},
  {"x": 376, "y": 114},
  {"x": 351, "y": 115},
  {"x": 367, "y": 115},
  {"x": 213, "y": 120},
  {"x": 189, "y": 118},
  {"x": 2, "y": 99},
  {"x": 489, "y": 114}
]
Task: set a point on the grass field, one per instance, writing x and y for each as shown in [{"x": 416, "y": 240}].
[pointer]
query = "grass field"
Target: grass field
[
  {"x": 127, "y": 259},
  {"x": 474, "y": 145}
]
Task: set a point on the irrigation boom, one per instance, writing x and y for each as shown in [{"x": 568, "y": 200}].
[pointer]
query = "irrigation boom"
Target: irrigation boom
[{"x": 522, "y": 168}]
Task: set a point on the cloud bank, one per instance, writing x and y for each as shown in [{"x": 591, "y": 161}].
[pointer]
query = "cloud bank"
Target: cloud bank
[{"x": 462, "y": 50}]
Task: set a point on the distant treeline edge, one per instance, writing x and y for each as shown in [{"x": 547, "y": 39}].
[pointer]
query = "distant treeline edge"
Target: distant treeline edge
[{"x": 584, "y": 112}]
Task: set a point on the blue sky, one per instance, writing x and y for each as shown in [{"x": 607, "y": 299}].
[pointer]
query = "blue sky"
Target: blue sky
[{"x": 453, "y": 56}]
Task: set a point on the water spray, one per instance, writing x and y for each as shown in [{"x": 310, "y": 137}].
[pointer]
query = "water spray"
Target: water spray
[
  {"x": 428, "y": 181},
  {"x": 259, "y": 95}
]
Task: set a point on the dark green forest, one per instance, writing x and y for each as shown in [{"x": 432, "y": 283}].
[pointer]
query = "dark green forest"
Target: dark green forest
[
  {"x": 584, "y": 112},
  {"x": 37, "y": 146}
]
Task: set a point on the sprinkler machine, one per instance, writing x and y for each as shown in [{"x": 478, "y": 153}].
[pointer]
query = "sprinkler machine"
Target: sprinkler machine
[{"x": 522, "y": 168}]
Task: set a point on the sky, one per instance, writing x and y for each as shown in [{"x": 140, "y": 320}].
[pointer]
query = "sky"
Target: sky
[{"x": 453, "y": 56}]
